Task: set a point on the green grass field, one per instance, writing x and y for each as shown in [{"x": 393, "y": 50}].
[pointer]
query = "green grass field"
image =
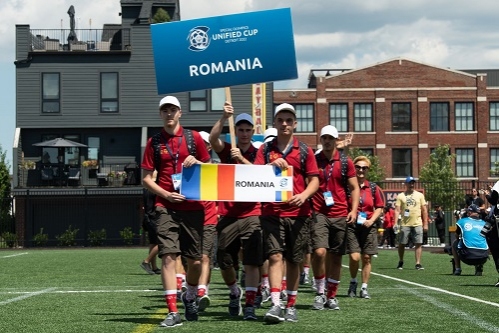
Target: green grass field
[{"x": 105, "y": 290}]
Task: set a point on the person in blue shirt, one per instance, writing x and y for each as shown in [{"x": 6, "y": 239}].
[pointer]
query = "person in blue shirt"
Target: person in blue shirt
[{"x": 470, "y": 246}]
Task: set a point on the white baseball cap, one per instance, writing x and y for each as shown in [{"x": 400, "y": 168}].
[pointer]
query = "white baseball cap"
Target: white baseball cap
[
  {"x": 285, "y": 107},
  {"x": 329, "y": 130},
  {"x": 257, "y": 144},
  {"x": 169, "y": 100},
  {"x": 205, "y": 136},
  {"x": 269, "y": 134}
]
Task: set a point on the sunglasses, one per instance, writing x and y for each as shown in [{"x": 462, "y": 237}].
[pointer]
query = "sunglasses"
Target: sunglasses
[{"x": 358, "y": 167}]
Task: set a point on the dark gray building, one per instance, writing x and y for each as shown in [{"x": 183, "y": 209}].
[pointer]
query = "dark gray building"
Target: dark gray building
[{"x": 97, "y": 87}]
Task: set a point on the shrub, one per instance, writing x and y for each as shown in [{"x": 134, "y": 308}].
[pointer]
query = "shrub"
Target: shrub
[
  {"x": 97, "y": 237},
  {"x": 9, "y": 238},
  {"x": 127, "y": 235},
  {"x": 40, "y": 238},
  {"x": 67, "y": 238}
]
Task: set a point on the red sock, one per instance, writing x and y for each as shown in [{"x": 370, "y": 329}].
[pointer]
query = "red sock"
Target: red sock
[
  {"x": 171, "y": 302},
  {"x": 179, "y": 283},
  {"x": 332, "y": 288},
  {"x": 259, "y": 290},
  {"x": 284, "y": 285},
  {"x": 250, "y": 297},
  {"x": 291, "y": 300},
  {"x": 201, "y": 292}
]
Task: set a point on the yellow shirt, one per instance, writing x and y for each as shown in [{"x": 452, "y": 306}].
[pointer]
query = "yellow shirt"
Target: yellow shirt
[{"x": 410, "y": 208}]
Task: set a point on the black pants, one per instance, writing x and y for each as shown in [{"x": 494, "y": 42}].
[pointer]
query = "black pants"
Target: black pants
[
  {"x": 388, "y": 235},
  {"x": 441, "y": 234},
  {"x": 493, "y": 243}
]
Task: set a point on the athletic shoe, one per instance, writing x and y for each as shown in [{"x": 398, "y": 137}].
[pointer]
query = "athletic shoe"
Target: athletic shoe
[
  {"x": 419, "y": 267},
  {"x": 307, "y": 279},
  {"x": 191, "y": 308},
  {"x": 302, "y": 278},
  {"x": 457, "y": 271},
  {"x": 400, "y": 265},
  {"x": 352, "y": 289},
  {"x": 265, "y": 294},
  {"x": 157, "y": 271},
  {"x": 242, "y": 282},
  {"x": 290, "y": 314},
  {"x": 184, "y": 286},
  {"x": 284, "y": 296},
  {"x": 364, "y": 293},
  {"x": 249, "y": 313},
  {"x": 172, "y": 320},
  {"x": 332, "y": 304},
  {"x": 235, "y": 307},
  {"x": 147, "y": 267},
  {"x": 258, "y": 301},
  {"x": 274, "y": 315},
  {"x": 319, "y": 302},
  {"x": 203, "y": 302},
  {"x": 497, "y": 283}
]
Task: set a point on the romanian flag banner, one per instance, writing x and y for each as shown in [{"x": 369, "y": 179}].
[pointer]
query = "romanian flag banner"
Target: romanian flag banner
[{"x": 237, "y": 182}]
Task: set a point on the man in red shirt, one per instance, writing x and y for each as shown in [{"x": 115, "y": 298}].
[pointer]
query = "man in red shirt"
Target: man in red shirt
[
  {"x": 179, "y": 221},
  {"x": 239, "y": 223},
  {"x": 332, "y": 215},
  {"x": 285, "y": 224},
  {"x": 388, "y": 224}
]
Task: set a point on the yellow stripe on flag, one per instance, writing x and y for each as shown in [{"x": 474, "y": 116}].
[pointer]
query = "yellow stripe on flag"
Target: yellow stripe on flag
[{"x": 209, "y": 181}]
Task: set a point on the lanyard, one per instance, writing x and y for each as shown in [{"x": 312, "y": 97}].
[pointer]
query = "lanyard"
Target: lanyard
[
  {"x": 362, "y": 200},
  {"x": 284, "y": 154},
  {"x": 174, "y": 157},
  {"x": 328, "y": 176}
]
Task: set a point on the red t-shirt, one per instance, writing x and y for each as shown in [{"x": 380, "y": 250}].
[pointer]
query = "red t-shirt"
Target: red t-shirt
[
  {"x": 238, "y": 209},
  {"x": 283, "y": 209},
  {"x": 171, "y": 160},
  {"x": 367, "y": 203},
  {"x": 334, "y": 184},
  {"x": 389, "y": 220},
  {"x": 210, "y": 213}
]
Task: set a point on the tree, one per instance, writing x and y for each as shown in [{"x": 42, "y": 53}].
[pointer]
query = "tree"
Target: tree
[
  {"x": 376, "y": 171},
  {"x": 161, "y": 16},
  {"x": 438, "y": 179},
  {"x": 5, "y": 198}
]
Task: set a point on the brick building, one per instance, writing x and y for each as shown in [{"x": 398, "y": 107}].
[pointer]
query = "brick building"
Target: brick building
[{"x": 401, "y": 109}]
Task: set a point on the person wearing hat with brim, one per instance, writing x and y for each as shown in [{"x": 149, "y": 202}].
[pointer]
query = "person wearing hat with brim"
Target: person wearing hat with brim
[
  {"x": 334, "y": 213},
  {"x": 411, "y": 207},
  {"x": 239, "y": 221},
  {"x": 286, "y": 224},
  {"x": 179, "y": 221},
  {"x": 439, "y": 220}
]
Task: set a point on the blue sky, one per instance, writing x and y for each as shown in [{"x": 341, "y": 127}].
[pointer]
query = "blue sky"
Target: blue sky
[{"x": 458, "y": 34}]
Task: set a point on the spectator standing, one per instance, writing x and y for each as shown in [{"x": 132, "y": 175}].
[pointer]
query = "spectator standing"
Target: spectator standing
[
  {"x": 179, "y": 222},
  {"x": 388, "y": 230},
  {"x": 411, "y": 207},
  {"x": 439, "y": 221},
  {"x": 285, "y": 224}
]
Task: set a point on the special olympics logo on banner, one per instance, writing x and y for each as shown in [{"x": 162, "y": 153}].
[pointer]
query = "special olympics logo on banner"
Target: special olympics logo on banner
[
  {"x": 283, "y": 183},
  {"x": 199, "y": 39}
]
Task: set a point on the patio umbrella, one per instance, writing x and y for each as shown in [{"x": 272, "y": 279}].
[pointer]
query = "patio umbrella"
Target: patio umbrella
[{"x": 59, "y": 143}]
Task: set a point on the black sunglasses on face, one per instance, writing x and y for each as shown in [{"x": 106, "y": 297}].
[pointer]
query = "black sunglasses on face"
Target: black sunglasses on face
[{"x": 358, "y": 167}]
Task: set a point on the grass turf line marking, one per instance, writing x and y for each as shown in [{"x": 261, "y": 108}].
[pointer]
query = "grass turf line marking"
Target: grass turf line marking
[
  {"x": 146, "y": 328},
  {"x": 14, "y": 255},
  {"x": 81, "y": 291},
  {"x": 435, "y": 289},
  {"x": 20, "y": 298},
  {"x": 452, "y": 310}
]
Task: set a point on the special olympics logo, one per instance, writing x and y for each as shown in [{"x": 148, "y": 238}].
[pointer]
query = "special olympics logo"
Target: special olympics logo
[
  {"x": 283, "y": 183},
  {"x": 468, "y": 226},
  {"x": 199, "y": 39}
]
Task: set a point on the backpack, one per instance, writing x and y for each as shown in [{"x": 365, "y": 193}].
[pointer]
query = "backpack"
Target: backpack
[
  {"x": 156, "y": 143},
  {"x": 344, "y": 169},
  {"x": 303, "y": 155}
]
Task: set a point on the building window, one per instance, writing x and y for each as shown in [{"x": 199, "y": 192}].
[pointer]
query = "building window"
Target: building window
[
  {"x": 464, "y": 117},
  {"x": 109, "y": 92},
  {"x": 305, "y": 118},
  {"x": 205, "y": 100},
  {"x": 363, "y": 117},
  {"x": 367, "y": 151},
  {"x": 51, "y": 97},
  {"x": 401, "y": 162},
  {"x": 439, "y": 117},
  {"x": 401, "y": 117},
  {"x": 494, "y": 116},
  {"x": 494, "y": 157},
  {"x": 465, "y": 162},
  {"x": 338, "y": 116}
]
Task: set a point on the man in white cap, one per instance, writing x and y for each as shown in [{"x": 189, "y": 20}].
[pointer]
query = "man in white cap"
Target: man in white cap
[
  {"x": 239, "y": 224},
  {"x": 179, "y": 221},
  {"x": 333, "y": 213},
  {"x": 285, "y": 224}
]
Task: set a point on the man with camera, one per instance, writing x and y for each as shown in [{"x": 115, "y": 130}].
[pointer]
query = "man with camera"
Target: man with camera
[
  {"x": 490, "y": 229},
  {"x": 470, "y": 245}
]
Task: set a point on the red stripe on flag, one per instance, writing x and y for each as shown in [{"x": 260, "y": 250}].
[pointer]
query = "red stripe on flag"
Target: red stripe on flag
[{"x": 226, "y": 176}]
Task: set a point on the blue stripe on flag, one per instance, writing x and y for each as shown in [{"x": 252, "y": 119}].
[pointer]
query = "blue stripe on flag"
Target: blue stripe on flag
[
  {"x": 191, "y": 182},
  {"x": 278, "y": 196},
  {"x": 277, "y": 171}
]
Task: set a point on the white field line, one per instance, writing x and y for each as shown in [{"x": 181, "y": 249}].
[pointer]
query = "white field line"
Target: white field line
[
  {"x": 20, "y": 298},
  {"x": 14, "y": 255},
  {"x": 433, "y": 288},
  {"x": 53, "y": 291},
  {"x": 452, "y": 310}
]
